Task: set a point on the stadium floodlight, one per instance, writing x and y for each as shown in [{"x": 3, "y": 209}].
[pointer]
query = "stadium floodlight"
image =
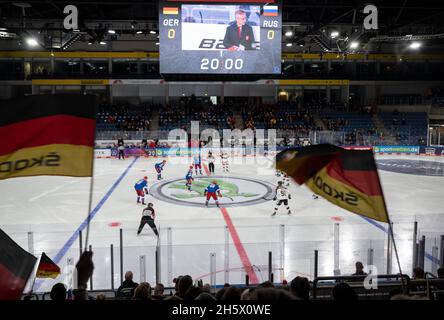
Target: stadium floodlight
[
  {"x": 289, "y": 44},
  {"x": 111, "y": 31},
  {"x": 334, "y": 34},
  {"x": 139, "y": 32},
  {"x": 153, "y": 32},
  {"x": 289, "y": 34},
  {"x": 102, "y": 43},
  {"x": 415, "y": 45},
  {"x": 90, "y": 42},
  {"x": 32, "y": 42},
  {"x": 354, "y": 45},
  {"x": 157, "y": 43}
]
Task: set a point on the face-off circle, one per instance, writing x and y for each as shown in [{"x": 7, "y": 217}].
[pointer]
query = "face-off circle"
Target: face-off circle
[{"x": 235, "y": 191}]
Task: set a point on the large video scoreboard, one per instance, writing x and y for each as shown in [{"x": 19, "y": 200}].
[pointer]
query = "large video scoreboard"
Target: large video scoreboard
[{"x": 220, "y": 37}]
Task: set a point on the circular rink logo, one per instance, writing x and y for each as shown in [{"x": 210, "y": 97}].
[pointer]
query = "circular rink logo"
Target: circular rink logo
[
  {"x": 235, "y": 191},
  {"x": 417, "y": 167}
]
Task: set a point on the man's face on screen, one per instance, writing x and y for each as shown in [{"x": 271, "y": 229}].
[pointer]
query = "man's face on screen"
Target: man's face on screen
[{"x": 241, "y": 19}]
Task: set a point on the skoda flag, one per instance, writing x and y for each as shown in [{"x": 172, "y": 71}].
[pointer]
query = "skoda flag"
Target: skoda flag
[
  {"x": 47, "y": 135},
  {"x": 346, "y": 178}
]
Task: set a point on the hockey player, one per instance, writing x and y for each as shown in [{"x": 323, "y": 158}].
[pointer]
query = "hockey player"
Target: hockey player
[
  {"x": 141, "y": 188},
  {"x": 159, "y": 167},
  {"x": 148, "y": 216},
  {"x": 198, "y": 164},
  {"x": 189, "y": 178},
  {"x": 211, "y": 160},
  {"x": 284, "y": 178},
  {"x": 224, "y": 160},
  {"x": 282, "y": 196},
  {"x": 212, "y": 191}
]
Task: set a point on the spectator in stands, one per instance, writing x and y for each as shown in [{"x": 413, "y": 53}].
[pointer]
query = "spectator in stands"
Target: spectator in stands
[
  {"x": 205, "y": 296},
  {"x": 300, "y": 288},
  {"x": 418, "y": 273},
  {"x": 142, "y": 292},
  {"x": 232, "y": 294},
  {"x": 58, "y": 292},
  {"x": 221, "y": 292},
  {"x": 206, "y": 288},
  {"x": 127, "y": 284},
  {"x": 80, "y": 294},
  {"x": 359, "y": 269},
  {"x": 266, "y": 284},
  {"x": 101, "y": 296},
  {"x": 184, "y": 283},
  {"x": 192, "y": 293},
  {"x": 343, "y": 292},
  {"x": 158, "y": 291},
  {"x": 271, "y": 294}
]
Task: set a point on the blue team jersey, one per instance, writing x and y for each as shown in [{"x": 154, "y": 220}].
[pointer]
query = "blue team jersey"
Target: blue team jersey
[
  {"x": 142, "y": 183},
  {"x": 159, "y": 165},
  {"x": 189, "y": 174},
  {"x": 213, "y": 188},
  {"x": 197, "y": 160}
]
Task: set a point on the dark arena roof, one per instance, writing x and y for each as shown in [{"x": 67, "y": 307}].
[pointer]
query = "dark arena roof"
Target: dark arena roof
[{"x": 310, "y": 24}]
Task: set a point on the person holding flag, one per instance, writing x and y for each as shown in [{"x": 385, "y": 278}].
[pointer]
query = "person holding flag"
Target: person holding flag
[
  {"x": 141, "y": 188},
  {"x": 212, "y": 191}
]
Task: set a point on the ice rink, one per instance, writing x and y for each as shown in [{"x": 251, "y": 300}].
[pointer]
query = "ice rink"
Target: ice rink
[{"x": 44, "y": 214}]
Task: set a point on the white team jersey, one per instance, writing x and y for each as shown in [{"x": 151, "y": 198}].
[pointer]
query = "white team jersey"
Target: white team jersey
[
  {"x": 224, "y": 157},
  {"x": 282, "y": 193},
  {"x": 210, "y": 159}
]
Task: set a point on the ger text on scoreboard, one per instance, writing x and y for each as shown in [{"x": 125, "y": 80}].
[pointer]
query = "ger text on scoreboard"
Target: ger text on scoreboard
[{"x": 226, "y": 37}]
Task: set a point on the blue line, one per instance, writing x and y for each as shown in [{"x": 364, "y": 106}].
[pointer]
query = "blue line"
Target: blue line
[
  {"x": 91, "y": 215},
  {"x": 379, "y": 226}
]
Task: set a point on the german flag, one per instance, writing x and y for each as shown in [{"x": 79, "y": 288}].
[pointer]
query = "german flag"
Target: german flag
[
  {"x": 16, "y": 266},
  {"x": 47, "y": 135},
  {"x": 346, "y": 178},
  {"x": 47, "y": 268},
  {"x": 170, "y": 10}
]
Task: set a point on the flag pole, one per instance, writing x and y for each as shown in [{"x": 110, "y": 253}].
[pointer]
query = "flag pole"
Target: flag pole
[
  {"x": 31, "y": 290},
  {"x": 91, "y": 188},
  {"x": 390, "y": 227}
]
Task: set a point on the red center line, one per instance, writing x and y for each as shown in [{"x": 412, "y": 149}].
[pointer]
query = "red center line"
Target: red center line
[{"x": 237, "y": 242}]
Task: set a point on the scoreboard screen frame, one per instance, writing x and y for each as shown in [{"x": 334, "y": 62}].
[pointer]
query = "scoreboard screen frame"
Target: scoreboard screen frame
[{"x": 188, "y": 48}]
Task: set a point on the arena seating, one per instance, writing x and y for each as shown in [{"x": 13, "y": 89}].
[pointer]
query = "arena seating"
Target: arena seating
[
  {"x": 132, "y": 118},
  {"x": 408, "y": 127}
]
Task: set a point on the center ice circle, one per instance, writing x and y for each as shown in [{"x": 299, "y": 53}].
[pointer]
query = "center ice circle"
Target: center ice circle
[{"x": 235, "y": 191}]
